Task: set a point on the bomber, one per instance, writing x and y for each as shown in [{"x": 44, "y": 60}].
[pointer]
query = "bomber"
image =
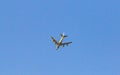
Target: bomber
[{"x": 60, "y": 42}]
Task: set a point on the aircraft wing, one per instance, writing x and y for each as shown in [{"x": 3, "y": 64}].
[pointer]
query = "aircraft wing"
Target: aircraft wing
[
  {"x": 54, "y": 40},
  {"x": 66, "y": 43}
]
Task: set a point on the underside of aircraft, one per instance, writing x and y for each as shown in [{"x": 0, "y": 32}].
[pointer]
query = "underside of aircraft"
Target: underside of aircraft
[{"x": 60, "y": 42}]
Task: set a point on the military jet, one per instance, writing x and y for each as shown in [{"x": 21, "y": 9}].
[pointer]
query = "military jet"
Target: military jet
[{"x": 60, "y": 42}]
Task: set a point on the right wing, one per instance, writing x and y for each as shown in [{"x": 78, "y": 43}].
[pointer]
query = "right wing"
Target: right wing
[
  {"x": 54, "y": 40},
  {"x": 66, "y": 43}
]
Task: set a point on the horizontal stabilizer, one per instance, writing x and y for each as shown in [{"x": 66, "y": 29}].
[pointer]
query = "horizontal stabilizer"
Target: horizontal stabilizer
[{"x": 62, "y": 35}]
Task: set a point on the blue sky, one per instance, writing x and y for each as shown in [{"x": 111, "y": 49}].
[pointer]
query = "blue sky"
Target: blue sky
[{"x": 92, "y": 25}]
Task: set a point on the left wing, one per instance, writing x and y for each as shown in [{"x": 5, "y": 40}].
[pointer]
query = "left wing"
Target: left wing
[
  {"x": 54, "y": 40},
  {"x": 66, "y": 43}
]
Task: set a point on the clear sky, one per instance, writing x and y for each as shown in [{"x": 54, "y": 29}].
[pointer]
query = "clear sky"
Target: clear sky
[{"x": 92, "y": 25}]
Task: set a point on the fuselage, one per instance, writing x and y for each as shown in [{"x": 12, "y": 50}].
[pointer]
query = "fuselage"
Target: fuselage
[{"x": 60, "y": 42}]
